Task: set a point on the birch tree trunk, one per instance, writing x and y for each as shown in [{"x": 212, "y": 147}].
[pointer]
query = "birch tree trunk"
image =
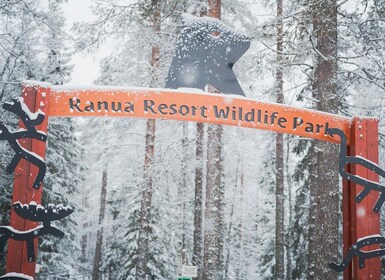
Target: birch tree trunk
[
  {"x": 324, "y": 195},
  {"x": 96, "y": 271},
  {"x": 146, "y": 200},
  {"x": 279, "y": 158}
]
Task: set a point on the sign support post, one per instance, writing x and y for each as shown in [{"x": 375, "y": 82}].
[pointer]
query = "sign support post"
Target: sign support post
[
  {"x": 35, "y": 97},
  {"x": 359, "y": 220}
]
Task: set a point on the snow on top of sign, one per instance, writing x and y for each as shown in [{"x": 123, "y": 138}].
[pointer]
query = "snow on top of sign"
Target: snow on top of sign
[
  {"x": 31, "y": 115},
  {"x": 22, "y": 232},
  {"x": 32, "y": 154},
  {"x": 33, "y": 83},
  {"x": 212, "y": 25},
  {"x": 14, "y": 274},
  {"x": 229, "y": 97},
  {"x": 81, "y": 87},
  {"x": 23, "y": 129},
  {"x": 369, "y": 236},
  {"x": 189, "y": 271},
  {"x": 190, "y": 90},
  {"x": 191, "y": 20},
  {"x": 85, "y": 87},
  {"x": 183, "y": 90},
  {"x": 367, "y": 160}
]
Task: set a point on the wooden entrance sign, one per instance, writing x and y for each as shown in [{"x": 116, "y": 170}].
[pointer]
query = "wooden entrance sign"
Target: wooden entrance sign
[{"x": 190, "y": 105}]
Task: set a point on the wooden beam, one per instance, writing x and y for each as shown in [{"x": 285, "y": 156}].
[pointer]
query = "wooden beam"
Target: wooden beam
[
  {"x": 196, "y": 107},
  {"x": 359, "y": 219},
  {"x": 35, "y": 97}
]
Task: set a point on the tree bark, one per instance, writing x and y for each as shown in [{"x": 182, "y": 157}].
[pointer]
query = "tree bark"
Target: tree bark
[
  {"x": 213, "y": 243},
  {"x": 213, "y": 235},
  {"x": 279, "y": 158},
  {"x": 83, "y": 244},
  {"x": 289, "y": 231},
  {"x": 96, "y": 271},
  {"x": 198, "y": 201},
  {"x": 146, "y": 203},
  {"x": 182, "y": 193},
  {"x": 324, "y": 194},
  {"x": 198, "y": 198},
  {"x": 149, "y": 159}
]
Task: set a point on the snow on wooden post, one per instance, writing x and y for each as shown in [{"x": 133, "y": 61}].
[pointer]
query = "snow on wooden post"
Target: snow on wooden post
[
  {"x": 359, "y": 219},
  {"x": 36, "y": 96}
]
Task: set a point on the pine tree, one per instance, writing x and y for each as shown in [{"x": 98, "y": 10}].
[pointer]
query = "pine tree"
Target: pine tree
[
  {"x": 279, "y": 157},
  {"x": 33, "y": 49},
  {"x": 201, "y": 10},
  {"x": 324, "y": 195},
  {"x": 265, "y": 222},
  {"x": 124, "y": 68},
  {"x": 19, "y": 33},
  {"x": 64, "y": 174},
  {"x": 301, "y": 210}
]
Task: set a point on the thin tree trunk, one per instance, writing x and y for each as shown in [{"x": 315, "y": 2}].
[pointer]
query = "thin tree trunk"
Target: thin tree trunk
[
  {"x": 213, "y": 243},
  {"x": 324, "y": 195},
  {"x": 96, "y": 271},
  {"x": 289, "y": 234},
  {"x": 84, "y": 241},
  {"x": 231, "y": 221},
  {"x": 146, "y": 201},
  {"x": 198, "y": 201},
  {"x": 213, "y": 229},
  {"x": 182, "y": 192},
  {"x": 279, "y": 159},
  {"x": 198, "y": 198},
  {"x": 242, "y": 255},
  {"x": 149, "y": 159}
]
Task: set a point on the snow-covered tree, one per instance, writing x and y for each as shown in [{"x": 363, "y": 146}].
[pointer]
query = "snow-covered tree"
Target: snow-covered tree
[
  {"x": 33, "y": 47},
  {"x": 64, "y": 176}
]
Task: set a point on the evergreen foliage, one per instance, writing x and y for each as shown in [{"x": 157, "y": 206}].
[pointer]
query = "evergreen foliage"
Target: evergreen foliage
[
  {"x": 64, "y": 174},
  {"x": 265, "y": 223},
  {"x": 33, "y": 47}
]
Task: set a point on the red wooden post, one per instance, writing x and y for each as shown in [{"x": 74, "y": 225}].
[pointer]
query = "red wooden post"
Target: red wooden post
[
  {"x": 359, "y": 219},
  {"x": 346, "y": 220},
  {"x": 35, "y": 97}
]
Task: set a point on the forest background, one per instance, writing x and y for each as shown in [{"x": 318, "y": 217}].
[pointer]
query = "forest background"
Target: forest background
[{"x": 144, "y": 203}]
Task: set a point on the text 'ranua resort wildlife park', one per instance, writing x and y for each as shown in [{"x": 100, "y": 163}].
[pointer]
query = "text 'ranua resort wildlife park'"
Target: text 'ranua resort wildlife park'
[{"x": 236, "y": 111}]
